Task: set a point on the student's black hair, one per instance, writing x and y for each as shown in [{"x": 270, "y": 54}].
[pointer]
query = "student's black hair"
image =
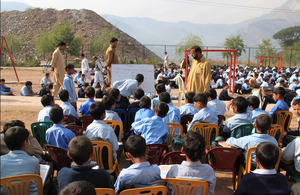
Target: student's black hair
[
  {"x": 136, "y": 146},
  {"x": 160, "y": 88},
  {"x": 165, "y": 97},
  {"x": 56, "y": 114},
  {"x": 90, "y": 92},
  {"x": 241, "y": 104},
  {"x": 46, "y": 100},
  {"x": 47, "y": 74},
  {"x": 280, "y": 91},
  {"x": 212, "y": 93},
  {"x": 253, "y": 101},
  {"x": 197, "y": 49},
  {"x": 78, "y": 188},
  {"x": 1, "y": 80},
  {"x": 62, "y": 43},
  {"x": 145, "y": 102},
  {"x": 83, "y": 75},
  {"x": 266, "y": 78},
  {"x": 193, "y": 145},
  {"x": 108, "y": 101},
  {"x": 139, "y": 93},
  {"x": 97, "y": 109},
  {"x": 172, "y": 84},
  {"x": 15, "y": 136},
  {"x": 139, "y": 78},
  {"x": 190, "y": 96},
  {"x": 28, "y": 83},
  {"x": 50, "y": 85},
  {"x": 113, "y": 40},
  {"x": 202, "y": 98},
  {"x": 225, "y": 84},
  {"x": 114, "y": 92},
  {"x": 82, "y": 54},
  {"x": 263, "y": 123},
  {"x": 80, "y": 149},
  {"x": 64, "y": 95},
  {"x": 86, "y": 84},
  {"x": 162, "y": 109},
  {"x": 13, "y": 123},
  {"x": 80, "y": 72},
  {"x": 296, "y": 102},
  {"x": 267, "y": 154},
  {"x": 69, "y": 66}
]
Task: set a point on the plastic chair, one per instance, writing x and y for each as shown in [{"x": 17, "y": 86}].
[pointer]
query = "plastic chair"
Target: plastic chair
[
  {"x": 184, "y": 121},
  {"x": 86, "y": 120},
  {"x": 131, "y": 116},
  {"x": 156, "y": 153},
  {"x": 105, "y": 159},
  {"x": 104, "y": 191},
  {"x": 70, "y": 119},
  {"x": 175, "y": 157},
  {"x": 283, "y": 118},
  {"x": 117, "y": 126},
  {"x": 162, "y": 190},
  {"x": 221, "y": 118},
  {"x": 58, "y": 156},
  {"x": 187, "y": 186},
  {"x": 19, "y": 184},
  {"x": 224, "y": 159},
  {"x": 124, "y": 117},
  {"x": 39, "y": 129},
  {"x": 173, "y": 127},
  {"x": 181, "y": 90},
  {"x": 242, "y": 130},
  {"x": 78, "y": 130},
  {"x": 208, "y": 130},
  {"x": 276, "y": 132}
]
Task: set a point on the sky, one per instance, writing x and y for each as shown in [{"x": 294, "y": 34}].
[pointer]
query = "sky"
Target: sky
[{"x": 196, "y": 11}]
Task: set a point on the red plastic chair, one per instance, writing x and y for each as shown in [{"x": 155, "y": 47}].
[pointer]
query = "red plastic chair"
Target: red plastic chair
[
  {"x": 86, "y": 120},
  {"x": 175, "y": 157},
  {"x": 224, "y": 159},
  {"x": 58, "y": 156},
  {"x": 70, "y": 119},
  {"x": 184, "y": 121},
  {"x": 78, "y": 130},
  {"x": 156, "y": 153}
]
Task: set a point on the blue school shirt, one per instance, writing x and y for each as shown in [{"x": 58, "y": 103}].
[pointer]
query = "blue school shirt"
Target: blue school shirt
[
  {"x": 143, "y": 113},
  {"x": 84, "y": 108},
  {"x": 280, "y": 105},
  {"x": 44, "y": 114},
  {"x": 69, "y": 85},
  {"x": 77, "y": 76},
  {"x": 256, "y": 112},
  {"x": 264, "y": 84},
  {"x": 127, "y": 87},
  {"x": 111, "y": 115},
  {"x": 58, "y": 135},
  {"x": 69, "y": 109},
  {"x": 154, "y": 130},
  {"x": 206, "y": 115},
  {"x": 245, "y": 87},
  {"x": 237, "y": 120},
  {"x": 188, "y": 109},
  {"x": 155, "y": 101},
  {"x": 2, "y": 88},
  {"x": 25, "y": 91},
  {"x": 173, "y": 115}
]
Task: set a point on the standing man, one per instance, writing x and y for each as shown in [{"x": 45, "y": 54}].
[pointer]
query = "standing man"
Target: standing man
[
  {"x": 85, "y": 68},
  {"x": 200, "y": 75},
  {"x": 166, "y": 60},
  {"x": 111, "y": 57},
  {"x": 98, "y": 72},
  {"x": 58, "y": 66}
]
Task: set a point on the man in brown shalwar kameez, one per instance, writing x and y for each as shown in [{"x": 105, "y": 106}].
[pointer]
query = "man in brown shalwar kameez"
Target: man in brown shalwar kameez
[{"x": 111, "y": 57}]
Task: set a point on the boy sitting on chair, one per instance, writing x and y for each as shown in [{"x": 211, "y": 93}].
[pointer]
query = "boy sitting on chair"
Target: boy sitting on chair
[
  {"x": 139, "y": 93},
  {"x": 278, "y": 96},
  {"x": 85, "y": 106},
  {"x": 145, "y": 110},
  {"x": 110, "y": 105},
  {"x": 188, "y": 108},
  {"x": 48, "y": 102}
]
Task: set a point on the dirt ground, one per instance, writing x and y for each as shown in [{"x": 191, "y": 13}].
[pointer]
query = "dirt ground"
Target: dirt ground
[{"x": 27, "y": 109}]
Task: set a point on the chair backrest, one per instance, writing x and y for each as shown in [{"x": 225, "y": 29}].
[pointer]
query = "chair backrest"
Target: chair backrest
[
  {"x": 131, "y": 116},
  {"x": 117, "y": 126},
  {"x": 184, "y": 121},
  {"x": 161, "y": 190},
  {"x": 181, "y": 90},
  {"x": 175, "y": 157},
  {"x": 78, "y": 130},
  {"x": 242, "y": 130},
  {"x": 173, "y": 127},
  {"x": 58, "y": 156},
  {"x": 221, "y": 118},
  {"x": 276, "y": 132},
  {"x": 70, "y": 119},
  {"x": 208, "y": 130},
  {"x": 156, "y": 153},
  {"x": 187, "y": 186},
  {"x": 19, "y": 184},
  {"x": 123, "y": 114},
  {"x": 249, "y": 157},
  {"x": 39, "y": 129},
  {"x": 104, "y": 191},
  {"x": 86, "y": 120},
  {"x": 282, "y": 118}
]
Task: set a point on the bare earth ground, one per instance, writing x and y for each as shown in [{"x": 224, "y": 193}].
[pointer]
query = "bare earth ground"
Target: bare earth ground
[{"x": 27, "y": 109}]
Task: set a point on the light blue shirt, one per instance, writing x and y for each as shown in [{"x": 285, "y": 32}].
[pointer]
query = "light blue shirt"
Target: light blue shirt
[
  {"x": 259, "y": 79},
  {"x": 154, "y": 130},
  {"x": 218, "y": 106},
  {"x": 45, "y": 80},
  {"x": 44, "y": 114},
  {"x": 112, "y": 115},
  {"x": 127, "y": 87},
  {"x": 77, "y": 76},
  {"x": 69, "y": 109},
  {"x": 206, "y": 115},
  {"x": 292, "y": 78},
  {"x": 188, "y": 109},
  {"x": 173, "y": 115},
  {"x": 98, "y": 128},
  {"x": 154, "y": 102},
  {"x": 58, "y": 135},
  {"x": 69, "y": 85},
  {"x": 280, "y": 105},
  {"x": 143, "y": 113},
  {"x": 219, "y": 82},
  {"x": 292, "y": 152},
  {"x": 84, "y": 108},
  {"x": 25, "y": 91},
  {"x": 264, "y": 84},
  {"x": 293, "y": 86},
  {"x": 168, "y": 89},
  {"x": 80, "y": 81},
  {"x": 2, "y": 90},
  {"x": 245, "y": 87},
  {"x": 137, "y": 173},
  {"x": 18, "y": 162},
  {"x": 256, "y": 112},
  {"x": 237, "y": 120}
]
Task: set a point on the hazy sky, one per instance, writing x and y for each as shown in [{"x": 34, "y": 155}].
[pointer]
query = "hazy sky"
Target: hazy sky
[{"x": 196, "y": 11}]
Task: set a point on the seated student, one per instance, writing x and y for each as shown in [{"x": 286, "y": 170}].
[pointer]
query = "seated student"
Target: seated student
[
  {"x": 145, "y": 110},
  {"x": 98, "y": 128},
  {"x": 170, "y": 86},
  {"x": 78, "y": 188},
  {"x": 68, "y": 84},
  {"x": 193, "y": 146},
  {"x": 66, "y": 105},
  {"x": 81, "y": 152},
  {"x": 217, "y": 105},
  {"x": 46, "y": 90},
  {"x": 281, "y": 83},
  {"x": 154, "y": 129},
  {"x": 115, "y": 93},
  {"x": 81, "y": 91},
  {"x": 220, "y": 82},
  {"x": 253, "y": 103},
  {"x": 224, "y": 93},
  {"x": 139, "y": 93},
  {"x": 85, "y": 106},
  {"x": 253, "y": 81},
  {"x": 294, "y": 84},
  {"x": 278, "y": 96},
  {"x": 45, "y": 80},
  {"x": 27, "y": 90},
  {"x": 265, "y": 82},
  {"x": 246, "y": 88},
  {"x": 265, "y": 179},
  {"x": 140, "y": 171},
  {"x": 110, "y": 104},
  {"x": 205, "y": 114},
  {"x": 17, "y": 161},
  {"x": 291, "y": 135},
  {"x": 159, "y": 89},
  {"x": 188, "y": 108},
  {"x": 173, "y": 115},
  {"x": 48, "y": 102},
  {"x": 81, "y": 80},
  {"x": 58, "y": 135},
  {"x": 4, "y": 90},
  {"x": 77, "y": 76}
]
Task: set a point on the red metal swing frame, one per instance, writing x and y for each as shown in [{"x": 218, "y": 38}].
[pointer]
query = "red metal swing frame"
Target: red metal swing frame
[{"x": 259, "y": 62}]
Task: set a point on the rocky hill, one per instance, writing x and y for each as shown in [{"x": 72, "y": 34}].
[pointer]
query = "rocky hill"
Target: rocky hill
[{"x": 87, "y": 24}]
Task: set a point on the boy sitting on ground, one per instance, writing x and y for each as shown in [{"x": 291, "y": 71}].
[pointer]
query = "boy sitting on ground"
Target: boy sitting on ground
[
  {"x": 188, "y": 108},
  {"x": 81, "y": 91},
  {"x": 278, "y": 96},
  {"x": 48, "y": 102},
  {"x": 173, "y": 115},
  {"x": 139, "y": 93},
  {"x": 67, "y": 107},
  {"x": 224, "y": 93},
  {"x": 85, "y": 106},
  {"x": 246, "y": 88},
  {"x": 27, "y": 89},
  {"x": 110, "y": 105},
  {"x": 46, "y": 90},
  {"x": 145, "y": 110}
]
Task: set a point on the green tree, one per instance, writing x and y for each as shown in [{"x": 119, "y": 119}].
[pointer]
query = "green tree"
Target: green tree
[
  {"x": 234, "y": 43},
  {"x": 74, "y": 47},
  {"x": 16, "y": 43},
  {"x": 265, "y": 48},
  {"x": 288, "y": 36},
  {"x": 44, "y": 42},
  {"x": 187, "y": 43}
]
